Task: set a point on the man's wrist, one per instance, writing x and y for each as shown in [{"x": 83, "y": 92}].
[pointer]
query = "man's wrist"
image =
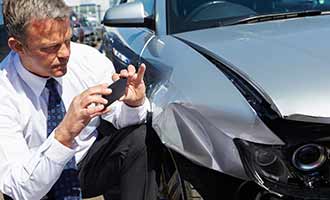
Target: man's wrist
[
  {"x": 64, "y": 137},
  {"x": 136, "y": 104}
]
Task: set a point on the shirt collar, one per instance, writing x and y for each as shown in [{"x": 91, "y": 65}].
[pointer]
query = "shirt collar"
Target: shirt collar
[{"x": 36, "y": 83}]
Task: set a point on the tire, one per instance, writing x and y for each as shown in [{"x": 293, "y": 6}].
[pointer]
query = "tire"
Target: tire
[
  {"x": 160, "y": 159},
  {"x": 191, "y": 192},
  {"x": 171, "y": 184},
  {"x": 210, "y": 184}
]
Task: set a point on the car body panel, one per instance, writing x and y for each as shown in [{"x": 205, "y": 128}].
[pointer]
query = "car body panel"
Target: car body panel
[
  {"x": 194, "y": 121},
  {"x": 277, "y": 47},
  {"x": 126, "y": 41}
]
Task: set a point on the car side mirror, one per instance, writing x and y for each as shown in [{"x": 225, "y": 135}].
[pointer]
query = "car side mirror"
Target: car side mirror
[{"x": 127, "y": 15}]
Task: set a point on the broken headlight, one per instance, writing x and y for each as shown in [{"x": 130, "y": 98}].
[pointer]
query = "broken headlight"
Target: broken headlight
[{"x": 301, "y": 171}]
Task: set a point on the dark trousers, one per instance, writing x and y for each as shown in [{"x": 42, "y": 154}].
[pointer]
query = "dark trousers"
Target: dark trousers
[{"x": 118, "y": 159}]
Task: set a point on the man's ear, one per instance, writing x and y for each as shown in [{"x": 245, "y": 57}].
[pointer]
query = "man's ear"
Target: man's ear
[{"x": 15, "y": 45}]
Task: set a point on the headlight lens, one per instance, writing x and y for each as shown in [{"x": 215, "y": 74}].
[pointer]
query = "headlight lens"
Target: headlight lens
[
  {"x": 300, "y": 171},
  {"x": 265, "y": 158},
  {"x": 309, "y": 157},
  {"x": 269, "y": 163}
]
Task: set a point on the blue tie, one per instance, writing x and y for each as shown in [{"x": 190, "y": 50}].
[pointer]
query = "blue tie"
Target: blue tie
[{"x": 67, "y": 186}]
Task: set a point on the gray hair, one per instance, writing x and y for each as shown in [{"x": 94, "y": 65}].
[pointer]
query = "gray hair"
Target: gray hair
[{"x": 19, "y": 13}]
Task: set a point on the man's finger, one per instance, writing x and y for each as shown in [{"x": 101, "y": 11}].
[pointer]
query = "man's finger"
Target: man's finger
[
  {"x": 122, "y": 98},
  {"x": 92, "y": 110},
  {"x": 123, "y": 73},
  {"x": 92, "y": 99},
  {"x": 141, "y": 72},
  {"x": 115, "y": 77},
  {"x": 104, "y": 111},
  {"x": 98, "y": 89},
  {"x": 131, "y": 70}
]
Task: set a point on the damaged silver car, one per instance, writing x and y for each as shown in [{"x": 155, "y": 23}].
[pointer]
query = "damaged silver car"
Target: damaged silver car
[{"x": 239, "y": 91}]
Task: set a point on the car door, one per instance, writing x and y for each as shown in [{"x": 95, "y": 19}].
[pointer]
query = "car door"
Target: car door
[{"x": 123, "y": 45}]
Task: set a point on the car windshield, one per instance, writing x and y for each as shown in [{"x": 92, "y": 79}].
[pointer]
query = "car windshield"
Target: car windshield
[{"x": 187, "y": 15}]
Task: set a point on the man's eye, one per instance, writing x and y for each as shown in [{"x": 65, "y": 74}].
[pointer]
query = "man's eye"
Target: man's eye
[{"x": 51, "y": 48}]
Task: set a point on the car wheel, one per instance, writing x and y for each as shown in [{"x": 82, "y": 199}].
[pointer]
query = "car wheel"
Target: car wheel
[
  {"x": 206, "y": 183},
  {"x": 171, "y": 185},
  {"x": 191, "y": 192}
]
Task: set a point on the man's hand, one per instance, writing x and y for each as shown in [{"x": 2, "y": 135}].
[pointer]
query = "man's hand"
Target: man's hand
[
  {"x": 135, "y": 90},
  {"x": 82, "y": 109}
]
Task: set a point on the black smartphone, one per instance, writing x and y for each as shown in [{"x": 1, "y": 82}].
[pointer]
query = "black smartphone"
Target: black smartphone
[{"x": 118, "y": 90}]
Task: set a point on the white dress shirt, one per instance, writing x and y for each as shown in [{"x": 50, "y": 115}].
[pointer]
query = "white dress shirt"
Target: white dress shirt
[{"x": 30, "y": 163}]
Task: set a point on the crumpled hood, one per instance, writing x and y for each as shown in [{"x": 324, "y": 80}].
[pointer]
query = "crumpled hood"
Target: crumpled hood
[{"x": 289, "y": 61}]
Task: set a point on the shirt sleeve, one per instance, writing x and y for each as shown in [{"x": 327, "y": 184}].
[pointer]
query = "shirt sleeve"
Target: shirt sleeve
[
  {"x": 122, "y": 115},
  {"x": 25, "y": 175}
]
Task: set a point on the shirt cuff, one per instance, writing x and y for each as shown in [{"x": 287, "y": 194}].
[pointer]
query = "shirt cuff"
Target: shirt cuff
[
  {"x": 57, "y": 152},
  {"x": 140, "y": 111}
]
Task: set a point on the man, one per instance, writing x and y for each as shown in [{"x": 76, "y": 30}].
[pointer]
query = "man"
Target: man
[{"x": 51, "y": 110}]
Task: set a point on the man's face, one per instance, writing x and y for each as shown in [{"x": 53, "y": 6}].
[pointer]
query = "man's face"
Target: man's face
[{"x": 46, "y": 49}]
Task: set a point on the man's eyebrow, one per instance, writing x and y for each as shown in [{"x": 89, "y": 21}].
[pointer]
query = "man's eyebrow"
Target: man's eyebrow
[{"x": 50, "y": 44}]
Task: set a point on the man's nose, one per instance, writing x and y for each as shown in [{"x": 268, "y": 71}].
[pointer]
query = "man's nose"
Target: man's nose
[{"x": 64, "y": 51}]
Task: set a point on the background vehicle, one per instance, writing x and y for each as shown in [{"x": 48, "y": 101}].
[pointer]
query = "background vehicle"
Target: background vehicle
[
  {"x": 90, "y": 35},
  {"x": 97, "y": 26},
  {"x": 4, "y": 49},
  {"x": 78, "y": 34},
  {"x": 239, "y": 92}
]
